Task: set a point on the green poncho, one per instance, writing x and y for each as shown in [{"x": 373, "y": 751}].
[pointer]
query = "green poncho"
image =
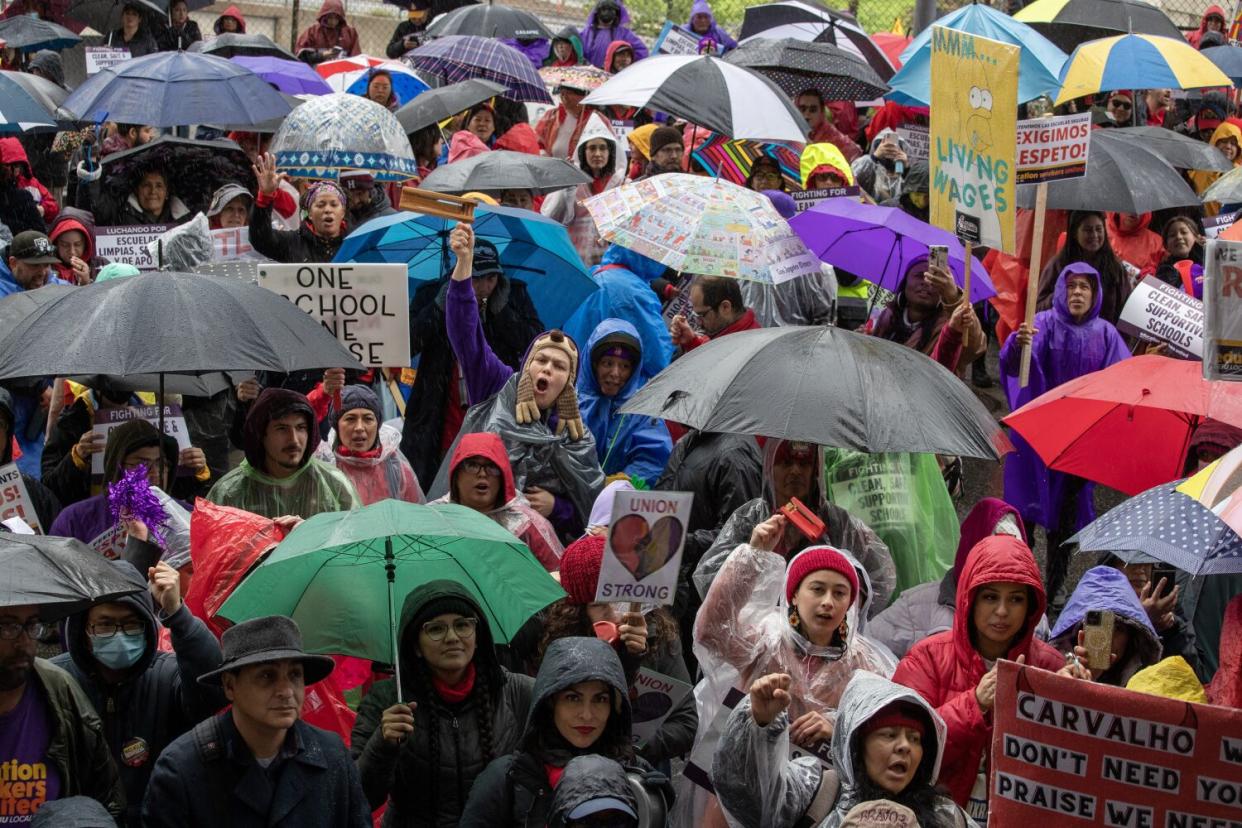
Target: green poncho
[{"x": 314, "y": 488}]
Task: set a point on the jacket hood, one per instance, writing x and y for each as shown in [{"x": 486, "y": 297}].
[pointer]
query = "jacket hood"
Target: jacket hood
[
  {"x": 465, "y": 144},
  {"x": 816, "y": 498},
  {"x": 1172, "y": 678},
  {"x": 1113, "y": 225},
  {"x": 12, "y": 152},
  {"x": 613, "y": 48},
  {"x": 879, "y": 139},
  {"x": 71, "y": 218},
  {"x": 597, "y": 127},
  {"x": 235, "y": 13},
  {"x": 982, "y": 523},
  {"x": 646, "y": 269},
  {"x": 140, "y": 602},
  {"x": 615, "y": 329},
  {"x": 485, "y": 660},
  {"x": 573, "y": 660},
  {"x": 6, "y": 414},
  {"x": 129, "y": 437},
  {"x": 1208, "y": 12},
  {"x": 587, "y": 778},
  {"x": 701, "y": 7},
  {"x": 1106, "y": 588},
  {"x": 49, "y": 65},
  {"x": 272, "y": 404},
  {"x": 918, "y": 178},
  {"x": 996, "y": 559},
  {"x": 1227, "y": 129},
  {"x": 623, "y": 14},
  {"x": 1060, "y": 296},
  {"x": 824, "y": 155},
  {"x": 486, "y": 445},
  {"x": 336, "y": 7}
]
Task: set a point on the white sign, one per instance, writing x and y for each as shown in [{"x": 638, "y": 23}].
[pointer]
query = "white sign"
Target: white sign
[
  {"x": 806, "y": 199},
  {"x": 365, "y": 306},
  {"x": 1156, "y": 312},
  {"x": 1052, "y": 149},
  {"x": 643, "y": 553},
  {"x": 107, "y": 419},
  {"x": 917, "y": 139},
  {"x": 657, "y": 696},
  {"x": 128, "y": 243},
  {"x": 99, "y": 58},
  {"x": 674, "y": 40},
  {"x": 232, "y": 244},
  {"x": 15, "y": 501},
  {"x": 1222, "y": 304}
]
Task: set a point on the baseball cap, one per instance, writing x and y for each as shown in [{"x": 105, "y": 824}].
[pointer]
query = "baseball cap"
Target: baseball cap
[
  {"x": 486, "y": 260},
  {"x": 32, "y": 247},
  {"x": 598, "y": 806},
  {"x": 357, "y": 180},
  {"x": 224, "y": 195}
]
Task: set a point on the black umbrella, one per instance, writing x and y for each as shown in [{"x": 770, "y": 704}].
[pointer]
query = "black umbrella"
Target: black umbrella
[
  {"x": 1181, "y": 151},
  {"x": 195, "y": 169},
  {"x": 105, "y": 15},
  {"x": 27, "y": 34},
  {"x": 795, "y": 66},
  {"x": 505, "y": 170},
  {"x": 47, "y": 94},
  {"x": 824, "y": 385},
  {"x": 230, "y": 44},
  {"x": 61, "y": 576},
  {"x": 490, "y": 21},
  {"x": 1122, "y": 176},
  {"x": 810, "y": 20},
  {"x": 1068, "y": 23},
  {"x": 436, "y": 105}
]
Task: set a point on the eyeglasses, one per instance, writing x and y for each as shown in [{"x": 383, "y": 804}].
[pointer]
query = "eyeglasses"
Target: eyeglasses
[
  {"x": 107, "y": 629},
  {"x": 34, "y": 628},
  {"x": 1120, "y": 104},
  {"x": 463, "y": 628},
  {"x": 480, "y": 467},
  {"x": 130, "y": 465}
]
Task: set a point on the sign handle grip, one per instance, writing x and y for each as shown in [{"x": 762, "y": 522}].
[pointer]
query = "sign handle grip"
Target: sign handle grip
[
  {"x": 970, "y": 254},
  {"x": 1032, "y": 279}
]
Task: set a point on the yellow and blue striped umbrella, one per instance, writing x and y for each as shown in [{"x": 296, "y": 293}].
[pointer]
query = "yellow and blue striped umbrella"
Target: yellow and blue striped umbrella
[{"x": 1136, "y": 62}]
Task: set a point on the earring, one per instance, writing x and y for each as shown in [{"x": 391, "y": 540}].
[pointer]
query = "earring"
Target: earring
[
  {"x": 794, "y": 620},
  {"x": 844, "y": 630}
]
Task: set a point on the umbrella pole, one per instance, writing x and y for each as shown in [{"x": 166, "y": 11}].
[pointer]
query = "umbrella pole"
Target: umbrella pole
[{"x": 390, "y": 569}]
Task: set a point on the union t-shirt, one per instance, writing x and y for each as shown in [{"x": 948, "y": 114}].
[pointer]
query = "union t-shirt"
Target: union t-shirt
[{"x": 27, "y": 778}]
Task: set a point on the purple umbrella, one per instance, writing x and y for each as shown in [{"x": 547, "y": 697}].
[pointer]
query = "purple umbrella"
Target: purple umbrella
[
  {"x": 461, "y": 57},
  {"x": 880, "y": 243},
  {"x": 293, "y": 77}
]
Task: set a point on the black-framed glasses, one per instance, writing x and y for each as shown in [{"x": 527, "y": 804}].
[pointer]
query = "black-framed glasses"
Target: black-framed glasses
[
  {"x": 463, "y": 628},
  {"x": 34, "y": 628},
  {"x": 107, "y": 629},
  {"x": 130, "y": 465},
  {"x": 481, "y": 467}
]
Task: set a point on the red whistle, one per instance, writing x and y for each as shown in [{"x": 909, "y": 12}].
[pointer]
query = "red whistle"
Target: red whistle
[{"x": 803, "y": 519}]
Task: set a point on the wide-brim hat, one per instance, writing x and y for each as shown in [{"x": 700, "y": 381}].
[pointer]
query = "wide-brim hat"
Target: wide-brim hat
[{"x": 262, "y": 641}]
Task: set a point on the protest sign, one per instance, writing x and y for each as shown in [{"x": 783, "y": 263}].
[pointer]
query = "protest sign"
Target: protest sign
[
  {"x": 1094, "y": 754},
  {"x": 232, "y": 244},
  {"x": 642, "y": 555},
  {"x": 916, "y": 138},
  {"x": 1156, "y": 312},
  {"x": 1053, "y": 149},
  {"x": 128, "y": 243},
  {"x": 99, "y": 58},
  {"x": 107, "y": 419},
  {"x": 806, "y": 199},
  {"x": 674, "y": 40},
  {"x": 15, "y": 500},
  {"x": 1222, "y": 310},
  {"x": 653, "y": 696},
  {"x": 1213, "y": 226},
  {"x": 974, "y": 103},
  {"x": 365, "y": 306}
]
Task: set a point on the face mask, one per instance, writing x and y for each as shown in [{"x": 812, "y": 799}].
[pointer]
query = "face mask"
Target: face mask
[
  {"x": 119, "y": 651},
  {"x": 606, "y": 16}
]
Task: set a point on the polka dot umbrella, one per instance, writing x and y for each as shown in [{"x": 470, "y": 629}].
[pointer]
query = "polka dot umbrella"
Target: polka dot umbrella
[{"x": 796, "y": 66}]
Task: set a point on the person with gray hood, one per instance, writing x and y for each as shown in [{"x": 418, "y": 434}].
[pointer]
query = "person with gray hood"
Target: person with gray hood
[
  {"x": 594, "y": 791},
  {"x": 882, "y": 171}
]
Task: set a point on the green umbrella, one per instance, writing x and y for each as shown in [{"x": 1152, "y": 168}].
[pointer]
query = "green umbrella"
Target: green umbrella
[{"x": 332, "y": 573}]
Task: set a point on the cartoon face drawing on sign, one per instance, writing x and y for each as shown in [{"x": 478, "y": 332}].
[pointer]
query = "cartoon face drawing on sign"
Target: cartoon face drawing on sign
[{"x": 979, "y": 124}]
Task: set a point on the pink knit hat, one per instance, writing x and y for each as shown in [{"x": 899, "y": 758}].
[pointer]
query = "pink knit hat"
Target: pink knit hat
[
  {"x": 811, "y": 560},
  {"x": 580, "y": 568}
]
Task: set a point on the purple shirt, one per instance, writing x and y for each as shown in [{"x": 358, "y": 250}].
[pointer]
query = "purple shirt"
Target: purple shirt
[{"x": 27, "y": 778}]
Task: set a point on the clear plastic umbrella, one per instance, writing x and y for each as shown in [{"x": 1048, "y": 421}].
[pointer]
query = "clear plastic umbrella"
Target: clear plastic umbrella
[{"x": 337, "y": 133}]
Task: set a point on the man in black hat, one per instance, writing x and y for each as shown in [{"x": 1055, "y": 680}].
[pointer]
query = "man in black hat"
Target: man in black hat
[
  {"x": 257, "y": 764},
  {"x": 367, "y": 198},
  {"x": 31, "y": 256}
]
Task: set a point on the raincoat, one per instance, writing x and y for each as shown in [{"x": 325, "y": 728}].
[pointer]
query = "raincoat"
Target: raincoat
[
  {"x": 318, "y": 36},
  {"x": 71, "y": 218},
  {"x": 880, "y": 181},
  {"x": 379, "y": 474},
  {"x": 1061, "y": 350},
  {"x": 236, "y": 14},
  {"x": 843, "y": 530},
  {"x": 1194, "y": 37},
  {"x": 587, "y": 778},
  {"x": 570, "y": 35},
  {"x": 1226, "y": 687},
  {"x": 1202, "y": 179},
  {"x": 714, "y": 30},
  {"x": 945, "y": 668},
  {"x": 315, "y": 487},
  {"x": 628, "y": 444},
  {"x": 610, "y": 54},
  {"x": 566, "y": 206},
  {"x": 1105, "y": 588},
  {"x": 515, "y": 514},
  {"x": 828, "y": 154},
  {"x": 595, "y": 39},
  {"x": 1140, "y": 247},
  {"x": 760, "y": 786},
  {"x": 12, "y": 152},
  {"x": 1172, "y": 678},
  {"x": 536, "y": 49}
]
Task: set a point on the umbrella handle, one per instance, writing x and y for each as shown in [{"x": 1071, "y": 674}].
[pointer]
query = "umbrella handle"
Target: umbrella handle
[{"x": 390, "y": 570}]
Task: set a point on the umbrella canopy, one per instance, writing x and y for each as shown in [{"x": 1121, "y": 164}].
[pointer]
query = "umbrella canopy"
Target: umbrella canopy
[
  {"x": 795, "y": 66},
  {"x": 880, "y": 243},
  {"x": 533, "y": 249},
  {"x": 892, "y": 44},
  {"x": 205, "y": 324},
  {"x": 105, "y": 15},
  {"x": 505, "y": 170},
  {"x": 824, "y": 385},
  {"x": 60, "y": 575},
  {"x": 293, "y": 77},
  {"x": 1228, "y": 59},
  {"x": 338, "y": 132},
  {"x": 1091, "y": 426},
  {"x": 354, "y": 73},
  {"x": 169, "y": 89},
  {"x": 1039, "y": 60},
  {"x": 1180, "y": 151},
  {"x": 19, "y": 110},
  {"x": 1136, "y": 62},
  {"x": 488, "y": 20},
  {"x": 1225, "y": 190},
  {"x": 233, "y": 44},
  {"x": 704, "y": 226},
  {"x": 1068, "y": 23},
  {"x": 707, "y": 91},
  {"x": 462, "y": 57},
  {"x": 269, "y": 126},
  {"x": 28, "y": 34},
  {"x": 437, "y": 105},
  {"x": 194, "y": 169},
  {"x": 732, "y": 159},
  {"x": 48, "y": 95},
  {"x": 586, "y": 78},
  {"x": 809, "y": 20},
  {"x": 329, "y": 572},
  {"x": 1124, "y": 176}
]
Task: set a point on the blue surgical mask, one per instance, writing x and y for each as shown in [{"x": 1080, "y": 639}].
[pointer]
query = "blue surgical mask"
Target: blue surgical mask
[{"x": 119, "y": 651}]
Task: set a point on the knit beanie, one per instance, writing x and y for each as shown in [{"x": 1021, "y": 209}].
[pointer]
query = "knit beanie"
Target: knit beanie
[
  {"x": 567, "y": 403},
  {"x": 814, "y": 559},
  {"x": 663, "y": 136},
  {"x": 354, "y": 397},
  {"x": 580, "y": 565},
  {"x": 617, "y": 344},
  {"x": 897, "y": 714}
]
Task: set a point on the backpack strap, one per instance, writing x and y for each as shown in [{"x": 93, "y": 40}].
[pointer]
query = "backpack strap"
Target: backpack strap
[
  {"x": 825, "y": 799},
  {"x": 209, "y": 742}
]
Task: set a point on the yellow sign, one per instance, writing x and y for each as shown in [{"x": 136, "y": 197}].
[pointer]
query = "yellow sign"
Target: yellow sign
[{"x": 974, "y": 122}]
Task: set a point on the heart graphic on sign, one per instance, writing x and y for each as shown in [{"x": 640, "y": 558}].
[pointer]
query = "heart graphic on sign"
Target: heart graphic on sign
[{"x": 643, "y": 549}]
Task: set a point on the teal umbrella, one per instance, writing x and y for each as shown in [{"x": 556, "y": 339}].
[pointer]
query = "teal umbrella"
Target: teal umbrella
[{"x": 341, "y": 575}]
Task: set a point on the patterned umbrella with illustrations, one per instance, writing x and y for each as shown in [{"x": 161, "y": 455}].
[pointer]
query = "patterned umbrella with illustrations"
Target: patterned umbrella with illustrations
[{"x": 338, "y": 133}]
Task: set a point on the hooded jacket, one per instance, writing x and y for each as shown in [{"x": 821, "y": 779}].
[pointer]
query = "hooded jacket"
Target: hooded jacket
[
  {"x": 159, "y": 697},
  {"x": 1229, "y": 128},
  {"x": 12, "y": 152},
  {"x": 588, "y": 778},
  {"x": 318, "y": 36},
  {"x": 610, "y": 54},
  {"x": 315, "y": 487},
  {"x": 714, "y": 30},
  {"x": 566, "y": 205},
  {"x": 570, "y": 35},
  {"x": 236, "y": 14},
  {"x": 46, "y": 504},
  {"x": 403, "y": 774},
  {"x": 596, "y": 39},
  {"x": 515, "y": 513},
  {"x": 1194, "y": 37},
  {"x": 1141, "y": 246},
  {"x": 72, "y": 218},
  {"x": 48, "y": 64},
  {"x": 376, "y": 206},
  {"x": 18, "y": 213},
  {"x": 945, "y": 668},
  {"x": 464, "y": 145},
  {"x": 824, "y": 154},
  {"x": 1105, "y": 588},
  {"x": 535, "y": 49},
  {"x": 1062, "y": 350},
  {"x": 628, "y": 444},
  {"x": 918, "y": 180},
  {"x": 877, "y": 178}
]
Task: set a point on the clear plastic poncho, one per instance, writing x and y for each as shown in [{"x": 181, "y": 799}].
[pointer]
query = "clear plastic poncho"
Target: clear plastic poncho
[
  {"x": 387, "y": 475},
  {"x": 314, "y": 488}
]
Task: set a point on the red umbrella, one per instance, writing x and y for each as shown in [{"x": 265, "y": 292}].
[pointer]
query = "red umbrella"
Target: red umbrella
[
  {"x": 1128, "y": 426},
  {"x": 892, "y": 45}
]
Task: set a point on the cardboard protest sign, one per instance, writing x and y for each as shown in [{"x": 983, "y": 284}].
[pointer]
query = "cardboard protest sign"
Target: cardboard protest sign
[
  {"x": 128, "y": 243},
  {"x": 99, "y": 58},
  {"x": 365, "y": 306},
  {"x": 974, "y": 103},
  {"x": 916, "y": 138},
  {"x": 107, "y": 419},
  {"x": 1053, "y": 149},
  {"x": 1156, "y": 312},
  {"x": 1222, "y": 306},
  {"x": 806, "y": 199},
  {"x": 653, "y": 696},
  {"x": 674, "y": 40},
  {"x": 1072, "y": 752},
  {"x": 642, "y": 556},
  {"x": 15, "y": 500}
]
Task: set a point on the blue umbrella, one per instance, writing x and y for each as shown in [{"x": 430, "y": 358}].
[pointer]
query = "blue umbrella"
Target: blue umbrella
[
  {"x": 1039, "y": 69},
  {"x": 533, "y": 249},
  {"x": 170, "y": 89},
  {"x": 19, "y": 111},
  {"x": 1228, "y": 59}
]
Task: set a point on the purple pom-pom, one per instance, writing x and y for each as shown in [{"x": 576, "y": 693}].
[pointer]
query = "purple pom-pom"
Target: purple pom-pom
[{"x": 131, "y": 498}]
